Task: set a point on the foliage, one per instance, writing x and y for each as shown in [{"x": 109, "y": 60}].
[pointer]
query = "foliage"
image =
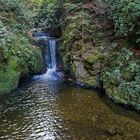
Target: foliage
[
  {"x": 13, "y": 39},
  {"x": 70, "y": 7},
  {"x": 123, "y": 73},
  {"x": 18, "y": 7},
  {"x": 16, "y": 15},
  {"x": 4, "y": 35},
  {"x": 17, "y": 57},
  {"x": 126, "y": 17},
  {"x": 49, "y": 14},
  {"x": 77, "y": 1},
  {"x": 16, "y": 45}
]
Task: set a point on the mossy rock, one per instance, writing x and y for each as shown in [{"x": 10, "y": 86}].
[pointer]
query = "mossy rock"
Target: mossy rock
[
  {"x": 94, "y": 57},
  {"x": 122, "y": 83},
  {"x": 12, "y": 70},
  {"x": 115, "y": 94},
  {"x": 10, "y": 76},
  {"x": 90, "y": 81},
  {"x": 73, "y": 69},
  {"x": 35, "y": 65}
]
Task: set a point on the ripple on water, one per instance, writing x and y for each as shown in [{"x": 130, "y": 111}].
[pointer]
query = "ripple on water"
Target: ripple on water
[{"x": 50, "y": 111}]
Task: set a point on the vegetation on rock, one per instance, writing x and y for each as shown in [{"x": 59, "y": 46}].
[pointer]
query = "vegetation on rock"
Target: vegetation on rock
[
  {"x": 122, "y": 77},
  {"x": 17, "y": 56},
  {"x": 89, "y": 32},
  {"x": 125, "y": 15},
  {"x": 48, "y": 16}
]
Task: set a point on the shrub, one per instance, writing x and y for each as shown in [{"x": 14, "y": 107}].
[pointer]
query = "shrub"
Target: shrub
[
  {"x": 4, "y": 35},
  {"x": 123, "y": 73},
  {"x": 126, "y": 17},
  {"x": 49, "y": 14},
  {"x": 19, "y": 7}
]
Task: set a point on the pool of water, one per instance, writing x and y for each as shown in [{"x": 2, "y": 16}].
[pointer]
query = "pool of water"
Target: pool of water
[{"x": 55, "y": 110}]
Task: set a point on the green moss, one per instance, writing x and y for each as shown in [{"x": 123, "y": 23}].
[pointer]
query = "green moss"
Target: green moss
[
  {"x": 78, "y": 36},
  {"x": 35, "y": 64},
  {"x": 90, "y": 81},
  {"x": 17, "y": 57},
  {"x": 94, "y": 57},
  {"x": 122, "y": 79},
  {"x": 114, "y": 93},
  {"x": 126, "y": 74},
  {"x": 19, "y": 65},
  {"x": 10, "y": 76},
  {"x": 73, "y": 69}
]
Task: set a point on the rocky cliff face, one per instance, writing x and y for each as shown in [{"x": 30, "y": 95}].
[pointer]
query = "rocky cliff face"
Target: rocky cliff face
[
  {"x": 83, "y": 43},
  {"x": 91, "y": 53}
]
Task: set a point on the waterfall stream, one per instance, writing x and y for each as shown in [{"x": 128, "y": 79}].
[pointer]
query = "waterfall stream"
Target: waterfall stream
[
  {"x": 51, "y": 55},
  {"x": 51, "y": 70},
  {"x": 52, "y": 47}
]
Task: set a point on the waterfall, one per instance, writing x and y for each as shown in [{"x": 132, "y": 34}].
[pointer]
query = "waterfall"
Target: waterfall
[
  {"x": 51, "y": 69},
  {"x": 51, "y": 55},
  {"x": 52, "y": 47}
]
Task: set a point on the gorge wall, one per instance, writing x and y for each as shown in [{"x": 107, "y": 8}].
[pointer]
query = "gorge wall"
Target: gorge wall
[
  {"x": 18, "y": 57},
  {"x": 92, "y": 54}
]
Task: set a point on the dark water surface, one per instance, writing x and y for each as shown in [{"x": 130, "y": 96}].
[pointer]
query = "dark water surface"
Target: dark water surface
[{"x": 44, "y": 110}]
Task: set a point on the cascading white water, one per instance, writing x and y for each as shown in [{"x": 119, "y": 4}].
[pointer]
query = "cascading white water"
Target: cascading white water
[
  {"x": 52, "y": 45},
  {"x": 51, "y": 68}
]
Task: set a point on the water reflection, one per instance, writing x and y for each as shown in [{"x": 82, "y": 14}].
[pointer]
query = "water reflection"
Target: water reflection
[{"x": 48, "y": 110}]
